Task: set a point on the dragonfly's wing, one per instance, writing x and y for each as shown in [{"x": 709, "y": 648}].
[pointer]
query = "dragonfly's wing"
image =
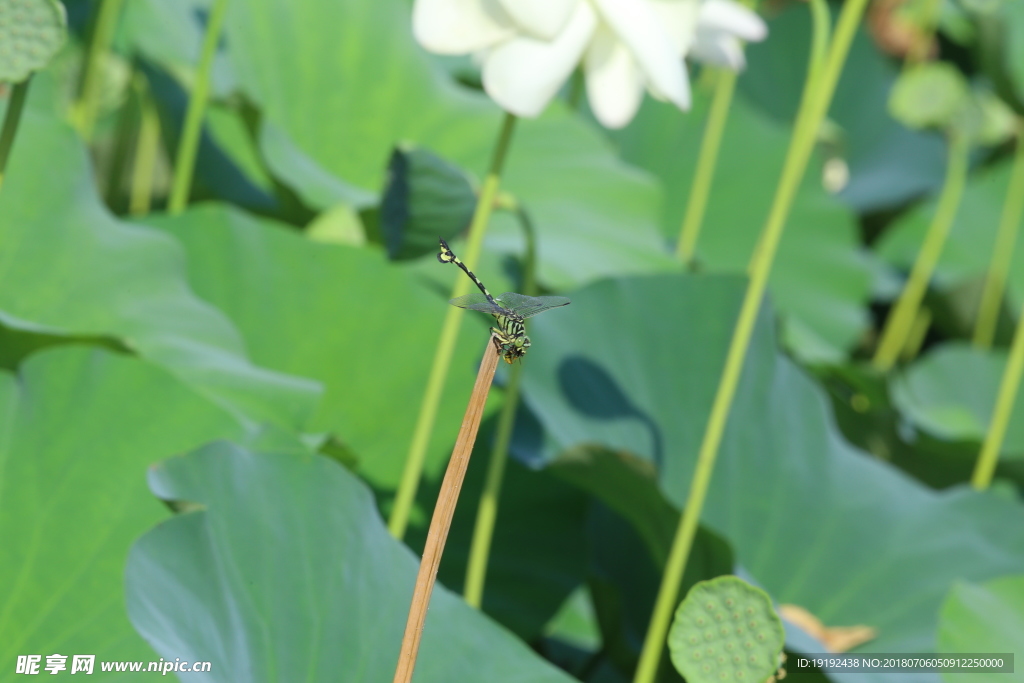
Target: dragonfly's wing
[
  {"x": 528, "y": 306},
  {"x": 477, "y": 302}
]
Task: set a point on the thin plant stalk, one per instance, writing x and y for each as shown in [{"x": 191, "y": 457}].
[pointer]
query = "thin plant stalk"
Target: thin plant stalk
[
  {"x": 813, "y": 107},
  {"x": 821, "y": 34},
  {"x": 124, "y": 139},
  {"x": 406, "y": 494},
  {"x": 147, "y": 147},
  {"x": 487, "y": 511},
  {"x": 711, "y": 142},
  {"x": 917, "y": 334},
  {"x": 901, "y": 318},
  {"x": 1002, "y": 252},
  {"x": 989, "y": 455},
  {"x": 188, "y": 143},
  {"x": 15, "y": 105},
  {"x": 707, "y": 159},
  {"x": 821, "y": 27},
  {"x": 444, "y": 510},
  {"x": 99, "y": 46}
]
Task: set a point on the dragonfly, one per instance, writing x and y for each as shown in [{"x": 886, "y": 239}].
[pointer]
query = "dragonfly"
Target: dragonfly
[{"x": 509, "y": 309}]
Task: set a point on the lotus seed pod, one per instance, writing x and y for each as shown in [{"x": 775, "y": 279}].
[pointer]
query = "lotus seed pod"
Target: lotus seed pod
[
  {"x": 31, "y": 32},
  {"x": 705, "y": 650}
]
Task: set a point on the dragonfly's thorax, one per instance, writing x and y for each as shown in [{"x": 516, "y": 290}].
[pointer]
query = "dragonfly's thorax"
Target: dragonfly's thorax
[{"x": 510, "y": 337}]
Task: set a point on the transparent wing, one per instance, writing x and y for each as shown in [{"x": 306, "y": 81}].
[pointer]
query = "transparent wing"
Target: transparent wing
[
  {"x": 529, "y": 306},
  {"x": 477, "y": 302}
]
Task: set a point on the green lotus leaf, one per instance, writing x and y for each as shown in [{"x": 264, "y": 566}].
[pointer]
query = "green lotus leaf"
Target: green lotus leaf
[
  {"x": 80, "y": 428},
  {"x": 286, "y": 572},
  {"x": 951, "y": 392},
  {"x": 68, "y": 267},
  {"x": 983, "y": 618},
  {"x": 888, "y": 549},
  {"x": 343, "y": 316}
]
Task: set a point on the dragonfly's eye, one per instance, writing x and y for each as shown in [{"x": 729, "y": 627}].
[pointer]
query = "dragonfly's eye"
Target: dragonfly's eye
[{"x": 524, "y": 342}]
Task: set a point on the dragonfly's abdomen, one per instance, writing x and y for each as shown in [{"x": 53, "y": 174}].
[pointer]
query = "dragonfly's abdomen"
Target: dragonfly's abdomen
[{"x": 446, "y": 255}]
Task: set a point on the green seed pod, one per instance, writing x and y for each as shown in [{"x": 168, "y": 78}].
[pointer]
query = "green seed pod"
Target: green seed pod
[
  {"x": 31, "y": 32},
  {"x": 705, "y": 651}
]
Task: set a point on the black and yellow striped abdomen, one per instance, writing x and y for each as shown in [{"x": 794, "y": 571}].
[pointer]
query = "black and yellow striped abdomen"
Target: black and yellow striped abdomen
[{"x": 446, "y": 255}]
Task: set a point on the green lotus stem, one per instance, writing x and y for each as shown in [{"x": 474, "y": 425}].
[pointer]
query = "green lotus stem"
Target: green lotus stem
[
  {"x": 406, "y": 494},
  {"x": 99, "y": 46},
  {"x": 918, "y": 331},
  {"x": 487, "y": 511},
  {"x": 986, "y": 465},
  {"x": 725, "y": 86},
  {"x": 125, "y": 132},
  {"x": 15, "y": 105},
  {"x": 813, "y": 107},
  {"x": 821, "y": 25},
  {"x": 1002, "y": 252},
  {"x": 707, "y": 159},
  {"x": 901, "y": 319},
  {"x": 146, "y": 149},
  {"x": 188, "y": 144}
]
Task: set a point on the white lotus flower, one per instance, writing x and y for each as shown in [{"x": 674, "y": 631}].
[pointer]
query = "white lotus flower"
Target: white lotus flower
[
  {"x": 722, "y": 25},
  {"x": 530, "y": 47}
]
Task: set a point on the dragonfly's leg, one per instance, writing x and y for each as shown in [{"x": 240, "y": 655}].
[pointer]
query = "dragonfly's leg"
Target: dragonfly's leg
[{"x": 497, "y": 337}]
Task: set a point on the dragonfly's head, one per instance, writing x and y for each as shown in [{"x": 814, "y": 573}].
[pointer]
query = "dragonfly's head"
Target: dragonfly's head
[
  {"x": 515, "y": 348},
  {"x": 518, "y": 349}
]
